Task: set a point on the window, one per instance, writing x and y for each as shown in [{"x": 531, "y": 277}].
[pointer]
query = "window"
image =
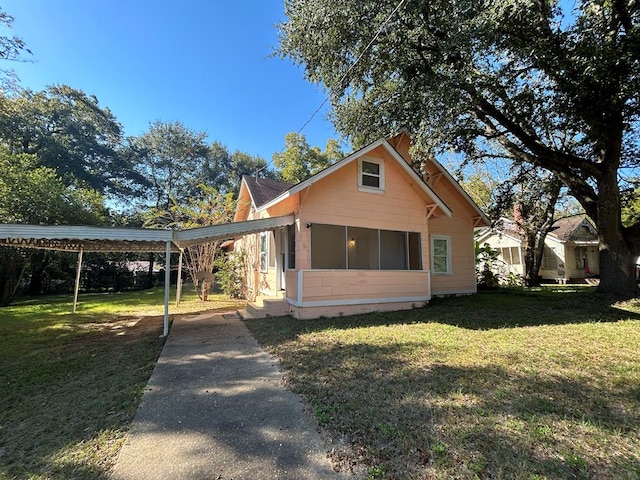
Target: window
[
  {"x": 510, "y": 255},
  {"x": 549, "y": 259},
  {"x": 370, "y": 175},
  {"x": 272, "y": 250},
  {"x": 357, "y": 248},
  {"x": 582, "y": 260},
  {"x": 440, "y": 254},
  {"x": 264, "y": 251},
  {"x": 291, "y": 235}
]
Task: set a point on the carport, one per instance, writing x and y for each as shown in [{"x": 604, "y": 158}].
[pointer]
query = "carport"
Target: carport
[{"x": 82, "y": 239}]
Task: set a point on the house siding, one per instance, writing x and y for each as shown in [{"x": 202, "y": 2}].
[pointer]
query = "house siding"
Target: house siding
[
  {"x": 403, "y": 205},
  {"x": 459, "y": 227}
]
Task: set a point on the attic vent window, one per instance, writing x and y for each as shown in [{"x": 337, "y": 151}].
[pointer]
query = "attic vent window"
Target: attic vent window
[{"x": 370, "y": 175}]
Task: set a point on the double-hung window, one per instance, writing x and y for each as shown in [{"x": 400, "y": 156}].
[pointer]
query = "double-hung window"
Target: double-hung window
[
  {"x": 440, "y": 254},
  {"x": 370, "y": 175}
]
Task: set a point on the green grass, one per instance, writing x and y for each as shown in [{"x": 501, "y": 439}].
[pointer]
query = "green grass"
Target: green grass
[
  {"x": 514, "y": 384},
  {"x": 70, "y": 384}
]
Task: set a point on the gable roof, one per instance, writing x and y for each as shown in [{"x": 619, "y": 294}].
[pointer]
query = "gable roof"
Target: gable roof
[
  {"x": 354, "y": 156},
  {"x": 263, "y": 190},
  {"x": 461, "y": 190},
  {"x": 564, "y": 228}
]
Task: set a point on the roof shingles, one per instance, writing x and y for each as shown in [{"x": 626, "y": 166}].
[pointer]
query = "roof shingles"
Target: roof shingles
[{"x": 263, "y": 190}]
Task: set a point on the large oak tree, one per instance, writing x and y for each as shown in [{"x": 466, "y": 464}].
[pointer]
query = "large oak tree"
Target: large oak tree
[{"x": 553, "y": 84}]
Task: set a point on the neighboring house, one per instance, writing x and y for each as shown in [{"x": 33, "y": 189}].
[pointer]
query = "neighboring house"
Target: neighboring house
[
  {"x": 570, "y": 254},
  {"x": 366, "y": 234}
]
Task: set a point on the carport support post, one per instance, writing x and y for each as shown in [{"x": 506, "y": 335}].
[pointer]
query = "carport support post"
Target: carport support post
[
  {"x": 77, "y": 285},
  {"x": 167, "y": 281},
  {"x": 179, "y": 286}
]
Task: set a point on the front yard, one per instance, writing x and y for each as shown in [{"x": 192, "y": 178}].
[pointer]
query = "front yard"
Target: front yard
[
  {"x": 501, "y": 385},
  {"x": 70, "y": 384},
  {"x": 507, "y": 384}
]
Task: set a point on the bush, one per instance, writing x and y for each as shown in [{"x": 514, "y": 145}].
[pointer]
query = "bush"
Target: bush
[{"x": 230, "y": 274}]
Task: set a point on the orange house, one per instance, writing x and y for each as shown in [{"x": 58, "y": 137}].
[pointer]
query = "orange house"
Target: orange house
[{"x": 366, "y": 234}]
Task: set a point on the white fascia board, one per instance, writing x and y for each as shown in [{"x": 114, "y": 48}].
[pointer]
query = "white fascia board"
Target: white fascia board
[
  {"x": 498, "y": 233},
  {"x": 426, "y": 188},
  {"x": 320, "y": 175},
  {"x": 461, "y": 190},
  {"x": 363, "y": 151},
  {"x": 229, "y": 230}
]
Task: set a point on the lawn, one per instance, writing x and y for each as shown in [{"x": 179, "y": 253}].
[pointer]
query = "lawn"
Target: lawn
[
  {"x": 540, "y": 384},
  {"x": 70, "y": 384}
]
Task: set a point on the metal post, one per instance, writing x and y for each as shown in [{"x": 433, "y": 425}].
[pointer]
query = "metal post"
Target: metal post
[
  {"x": 179, "y": 286},
  {"x": 167, "y": 281},
  {"x": 77, "y": 285}
]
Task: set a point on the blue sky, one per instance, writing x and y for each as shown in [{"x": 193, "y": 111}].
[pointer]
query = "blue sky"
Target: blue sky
[{"x": 207, "y": 64}]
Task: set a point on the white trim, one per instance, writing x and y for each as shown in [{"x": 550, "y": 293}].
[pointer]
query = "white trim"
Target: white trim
[
  {"x": 336, "y": 166},
  {"x": 357, "y": 301},
  {"x": 460, "y": 190},
  {"x": 454, "y": 292},
  {"x": 114, "y": 239},
  {"x": 447, "y": 238},
  {"x": 366, "y": 188}
]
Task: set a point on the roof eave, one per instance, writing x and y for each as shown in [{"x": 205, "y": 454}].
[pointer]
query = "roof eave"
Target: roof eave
[{"x": 355, "y": 155}]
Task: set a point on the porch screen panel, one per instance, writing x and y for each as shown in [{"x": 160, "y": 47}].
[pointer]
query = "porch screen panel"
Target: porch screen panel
[
  {"x": 393, "y": 250},
  {"x": 291, "y": 239},
  {"x": 362, "y": 248},
  {"x": 415, "y": 251},
  {"x": 328, "y": 246}
]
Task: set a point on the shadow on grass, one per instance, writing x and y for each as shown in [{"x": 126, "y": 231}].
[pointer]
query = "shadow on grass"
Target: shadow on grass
[
  {"x": 462, "y": 421},
  {"x": 414, "y": 406},
  {"x": 64, "y": 388},
  {"x": 505, "y": 308}
]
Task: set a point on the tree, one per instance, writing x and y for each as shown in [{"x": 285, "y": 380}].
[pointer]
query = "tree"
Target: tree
[
  {"x": 209, "y": 207},
  {"x": 481, "y": 187},
  {"x": 538, "y": 81},
  {"x": 298, "y": 161},
  {"x": 69, "y": 132},
  {"x": 176, "y": 160},
  {"x": 11, "y": 48},
  {"x": 244, "y": 164},
  {"x": 533, "y": 200},
  {"x": 33, "y": 194}
]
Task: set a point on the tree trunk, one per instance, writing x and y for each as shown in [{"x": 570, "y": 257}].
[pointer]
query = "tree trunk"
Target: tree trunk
[
  {"x": 12, "y": 266},
  {"x": 150, "y": 272},
  {"x": 39, "y": 261},
  {"x": 617, "y": 258}
]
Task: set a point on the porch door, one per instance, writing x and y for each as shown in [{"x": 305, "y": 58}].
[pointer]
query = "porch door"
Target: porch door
[{"x": 281, "y": 258}]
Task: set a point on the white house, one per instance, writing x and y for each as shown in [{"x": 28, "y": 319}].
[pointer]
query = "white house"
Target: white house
[{"x": 570, "y": 249}]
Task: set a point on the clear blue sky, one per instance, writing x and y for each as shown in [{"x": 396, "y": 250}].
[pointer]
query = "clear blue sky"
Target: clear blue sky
[{"x": 205, "y": 63}]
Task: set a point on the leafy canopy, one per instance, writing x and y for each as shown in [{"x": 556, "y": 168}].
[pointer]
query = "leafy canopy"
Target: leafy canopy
[{"x": 548, "y": 83}]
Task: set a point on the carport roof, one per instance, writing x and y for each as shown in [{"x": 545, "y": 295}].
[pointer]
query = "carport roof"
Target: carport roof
[{"x": 116, "y": 239}]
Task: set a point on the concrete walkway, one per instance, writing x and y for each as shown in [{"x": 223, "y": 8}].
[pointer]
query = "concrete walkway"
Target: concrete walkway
[{"x": 215, "y": 408}]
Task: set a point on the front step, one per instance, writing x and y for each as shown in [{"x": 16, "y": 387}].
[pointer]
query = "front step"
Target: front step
[{"x": 264, "y": 307}]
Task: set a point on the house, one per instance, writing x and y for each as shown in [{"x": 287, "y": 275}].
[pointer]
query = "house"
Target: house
[
  {"x": 570, "y": 254},
  {"x": 366, "y": 234}
]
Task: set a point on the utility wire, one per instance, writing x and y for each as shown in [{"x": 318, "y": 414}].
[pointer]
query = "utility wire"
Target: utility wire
[{"x": 345, "y": 74}]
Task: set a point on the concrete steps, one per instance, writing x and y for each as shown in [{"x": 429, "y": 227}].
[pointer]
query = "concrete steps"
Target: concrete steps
[{"x": 266, "y": 306}]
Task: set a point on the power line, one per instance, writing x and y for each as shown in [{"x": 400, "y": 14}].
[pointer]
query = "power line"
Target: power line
[{"x": 345, "y": 74}]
